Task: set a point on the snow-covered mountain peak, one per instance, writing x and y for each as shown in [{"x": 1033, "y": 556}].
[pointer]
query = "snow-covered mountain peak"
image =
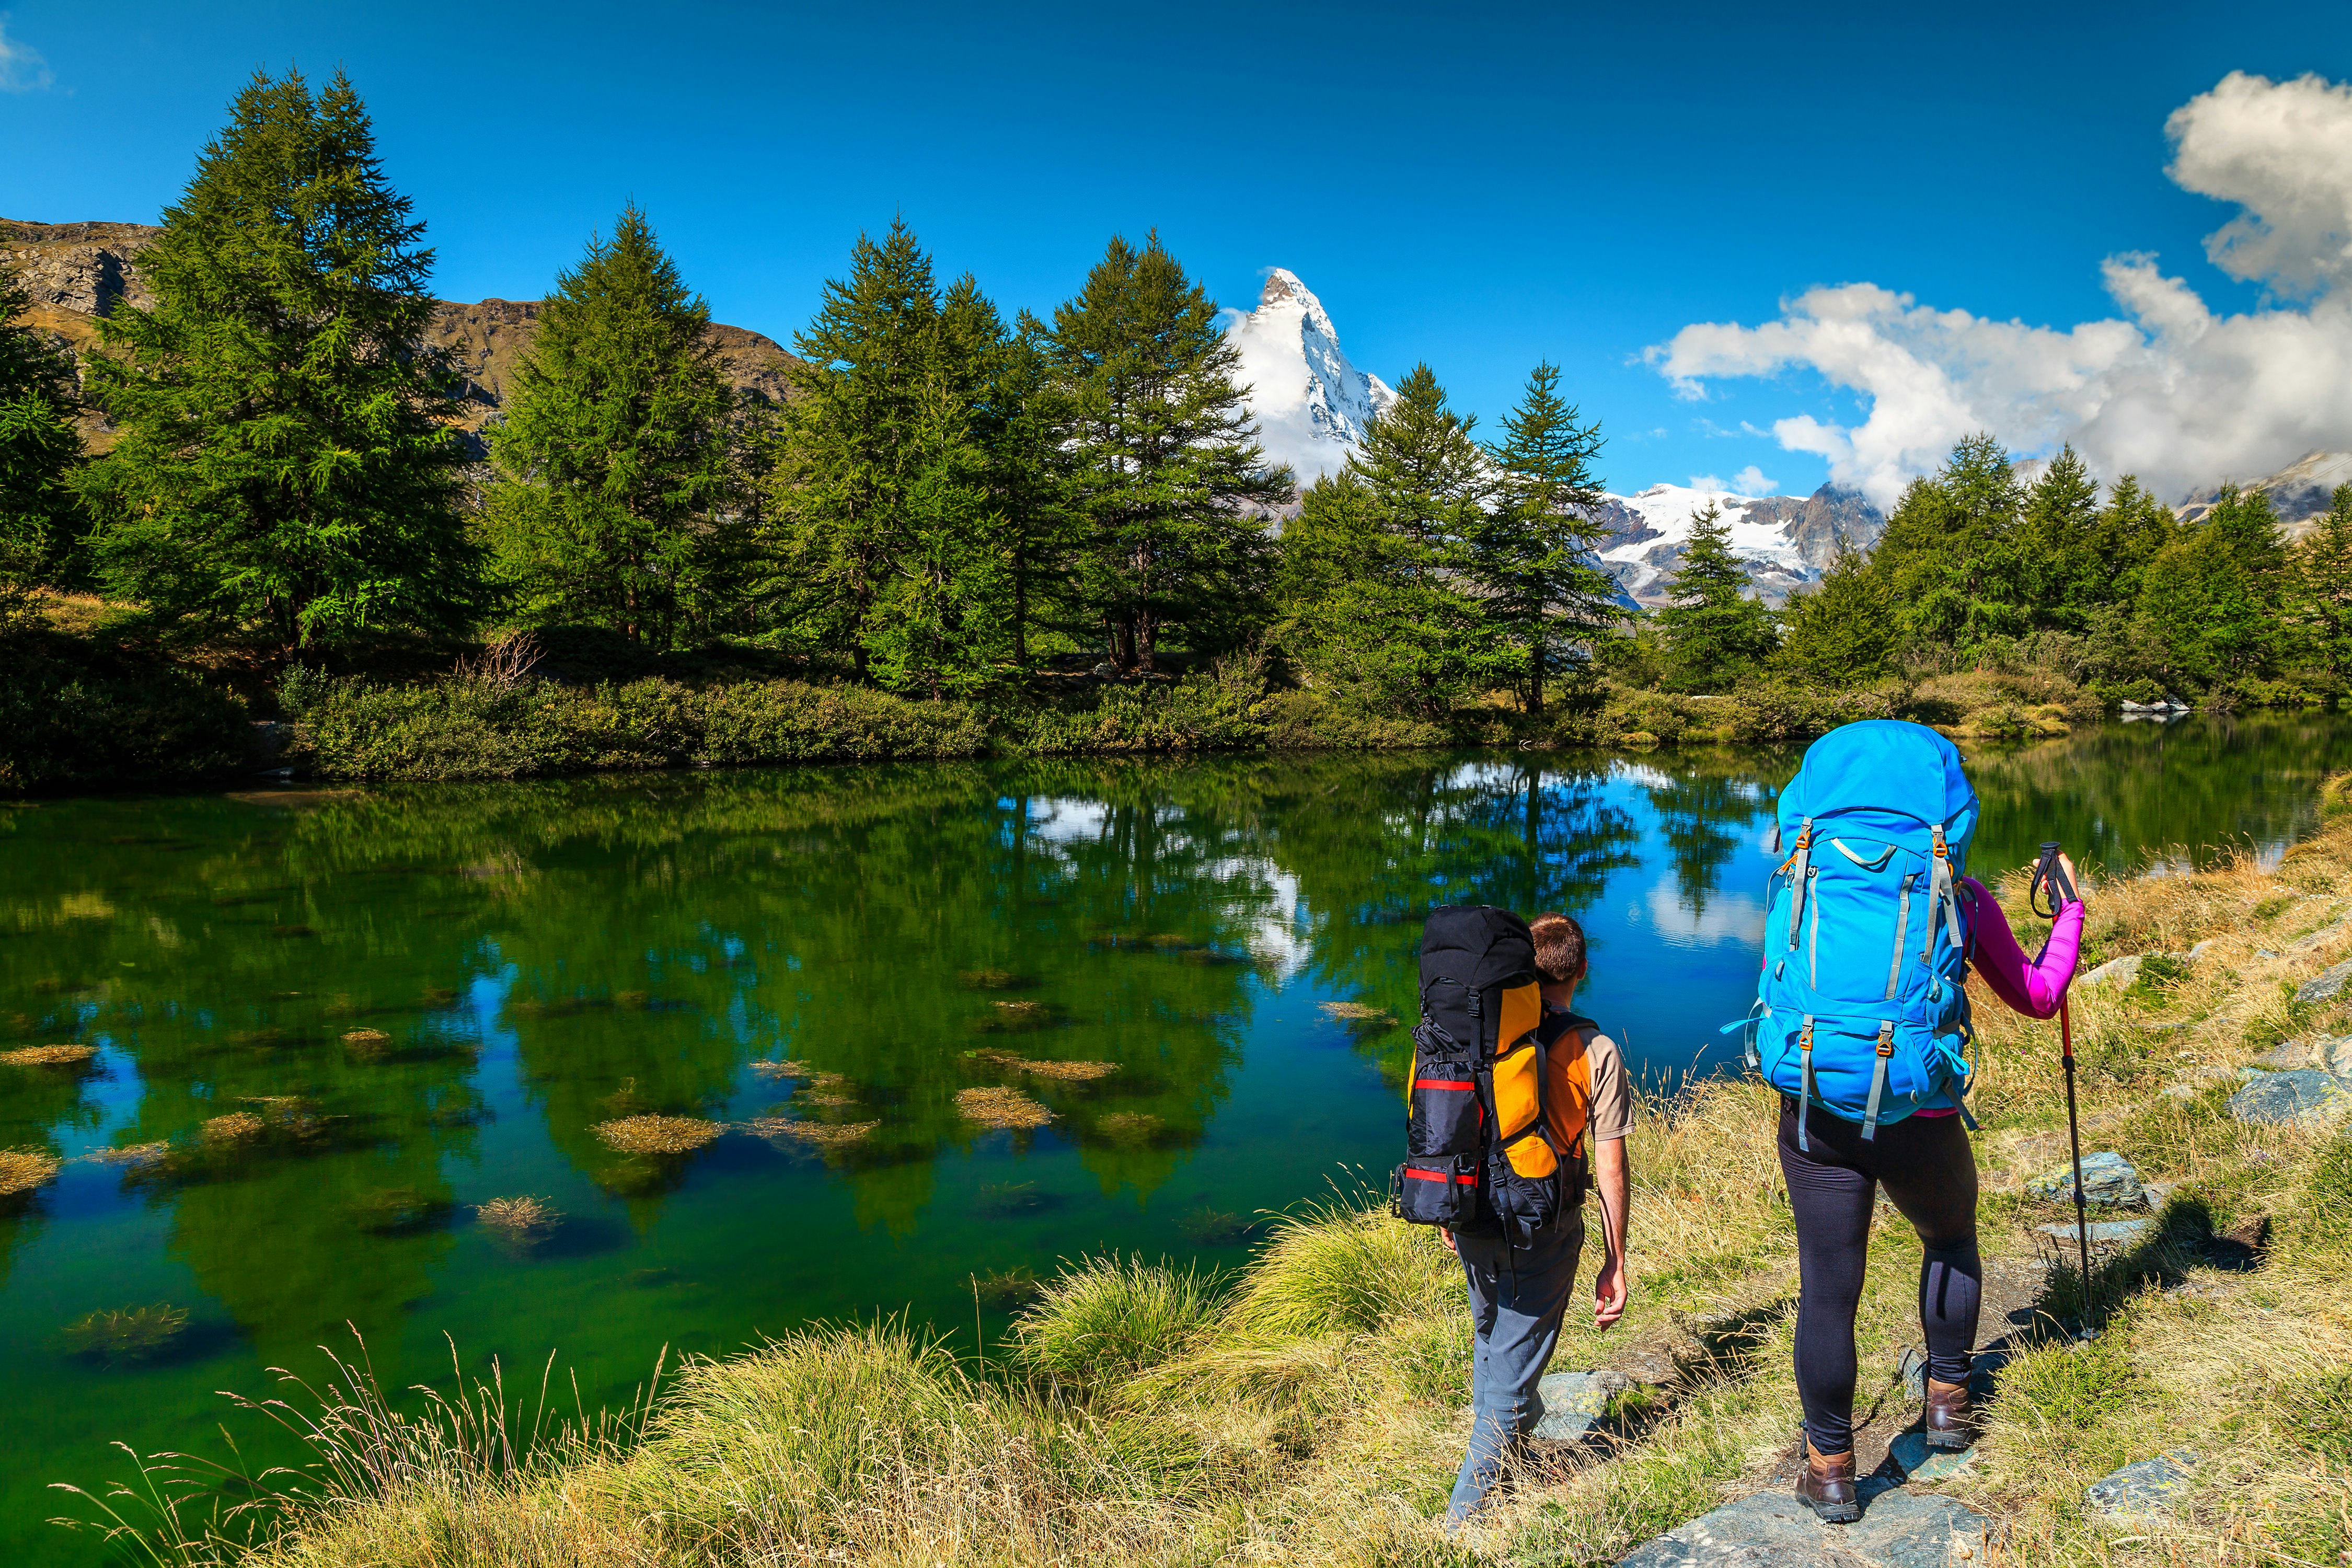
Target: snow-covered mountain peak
[{"x": 1310, "y": 403}]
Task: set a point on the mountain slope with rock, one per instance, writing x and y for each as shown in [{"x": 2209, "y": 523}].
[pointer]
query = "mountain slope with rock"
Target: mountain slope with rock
[
  {"x": 78, "y": 272},
  {"x": 2299, "y": 493},
  {"x": 1786, "y": 541}
]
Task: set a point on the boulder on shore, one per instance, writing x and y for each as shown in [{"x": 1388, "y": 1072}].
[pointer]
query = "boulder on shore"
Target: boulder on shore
[
  {"x": 2122, "y": 970},
  {"x": 2306, "y": 1094},
  {"x": 2141, "y": 1496},
  {"x": 2324, "y": 987},
  {"x": 2108, "y": 1182}
]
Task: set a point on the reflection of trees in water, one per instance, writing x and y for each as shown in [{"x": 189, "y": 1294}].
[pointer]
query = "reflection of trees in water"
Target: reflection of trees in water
[
  {"x": 1706, "y": 803},
  {"x": 1375, "y": 843},
  {"x": 2121, "y": 795}
]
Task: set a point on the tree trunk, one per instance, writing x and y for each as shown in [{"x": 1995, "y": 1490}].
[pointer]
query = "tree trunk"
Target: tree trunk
[{"x": 1536, "y": 676}]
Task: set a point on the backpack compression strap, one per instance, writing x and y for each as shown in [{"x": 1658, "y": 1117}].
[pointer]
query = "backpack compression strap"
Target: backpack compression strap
[
  {"x": 1799, "y": 869},
  {"x": 1878, "y": 1080},
  {"x": 1804, "y": 1080},
  {"x": 1943, "y": 895}
]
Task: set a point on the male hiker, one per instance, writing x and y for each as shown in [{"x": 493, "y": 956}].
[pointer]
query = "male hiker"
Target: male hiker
[{"x": 1521, "y": 1279}]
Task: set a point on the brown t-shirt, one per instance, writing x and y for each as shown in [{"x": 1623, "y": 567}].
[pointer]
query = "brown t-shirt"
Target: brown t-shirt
[{"x": 1593, "y": 1079}]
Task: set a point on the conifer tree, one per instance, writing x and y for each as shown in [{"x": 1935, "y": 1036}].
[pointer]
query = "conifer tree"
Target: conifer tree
[
  {"x": 868, "y": 428},
  {"x": 1844, "y": 632},
  {"x": 2323, "y": 585},
  {"x": 1537, "y": 548},
  {"x": 614, "y": 459},
  {"x": 2215, "y": 594},
  {"x": 1952, "y": 552},
  {"x": 1377, "y": 588},
  {"x": 283, "y": 460},
  {"x": 1165, "y": 460},
  {"x": 38, "y": 450},
  {"x": 1029, "y": 477},
  {"x": 1715, "y": 630},
  {"x": 2068, "y": 564}
]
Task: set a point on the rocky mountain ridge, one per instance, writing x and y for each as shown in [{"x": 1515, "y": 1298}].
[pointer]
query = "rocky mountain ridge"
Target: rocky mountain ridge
[{"x": 77, "y": 273}]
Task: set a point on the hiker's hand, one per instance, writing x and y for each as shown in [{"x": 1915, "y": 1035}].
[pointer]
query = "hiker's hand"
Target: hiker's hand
[
  {"x": 1447, "y": 1237},
  {"x": 2066, "y": 864},
  {"x": 1608, "y": 1291}
]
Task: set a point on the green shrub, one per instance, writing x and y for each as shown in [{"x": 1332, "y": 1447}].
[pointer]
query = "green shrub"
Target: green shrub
[{"x": 85, "y": 723}]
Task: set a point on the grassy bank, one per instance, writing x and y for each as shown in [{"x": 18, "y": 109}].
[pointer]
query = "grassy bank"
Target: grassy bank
[{"x": 1306, "y": 1409}]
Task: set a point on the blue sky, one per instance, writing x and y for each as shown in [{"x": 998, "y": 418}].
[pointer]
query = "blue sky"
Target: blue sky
[{"x": 1478, "y": 187}]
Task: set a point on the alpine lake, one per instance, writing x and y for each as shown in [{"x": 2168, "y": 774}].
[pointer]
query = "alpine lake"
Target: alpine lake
[{"x": 951, "y": 1023}]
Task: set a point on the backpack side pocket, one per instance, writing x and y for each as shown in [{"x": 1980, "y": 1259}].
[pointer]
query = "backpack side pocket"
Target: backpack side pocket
[
  {"x": 1439, "y": 1191},
  {"x": 1444, "y": 1116}
]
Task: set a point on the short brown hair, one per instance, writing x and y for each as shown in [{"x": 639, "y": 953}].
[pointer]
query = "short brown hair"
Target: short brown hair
[{"x": 1559, "y": 947}]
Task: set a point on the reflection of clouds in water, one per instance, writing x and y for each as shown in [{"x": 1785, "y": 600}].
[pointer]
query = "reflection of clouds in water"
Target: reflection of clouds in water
[
  {"x": 1497, "y": 777},
  {"x": 1640, "y": 773},
  {"x": 1282, "y": 933},
  {"x": 1728, "y": 918},
  {"x": 1065, "y": 820}
]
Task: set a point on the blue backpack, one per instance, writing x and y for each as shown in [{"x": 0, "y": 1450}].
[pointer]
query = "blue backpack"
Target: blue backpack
[{"x": 1860, "y": 1008}]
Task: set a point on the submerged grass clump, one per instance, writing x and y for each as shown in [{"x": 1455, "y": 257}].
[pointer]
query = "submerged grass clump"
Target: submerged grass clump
[
  {"x": 519, "y": 1223},
  {"x": 22, "y": 1169},
  {"x": 784, "y": 1069},
  {"x": 124, "y": 1334},
  {"x": 1000, "y": 1108},
  {"x": 50, "y": 1056},
  {"x": 822, "y": 1134},
  {"x": 1061, "y": 1071},
  {"x": 657, "y": 1134}
]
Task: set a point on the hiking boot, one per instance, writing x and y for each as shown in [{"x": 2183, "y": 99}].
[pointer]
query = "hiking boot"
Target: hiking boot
[
  {"x": 1951, "y": 1419},
  {"x": 1826, "y": 1485}
]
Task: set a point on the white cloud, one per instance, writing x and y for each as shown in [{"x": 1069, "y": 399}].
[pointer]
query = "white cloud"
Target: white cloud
[
  {"x": 22, "y": 67},
  {"x": 1747, "y": 481},
  {"x": 2169, "y": 390}
]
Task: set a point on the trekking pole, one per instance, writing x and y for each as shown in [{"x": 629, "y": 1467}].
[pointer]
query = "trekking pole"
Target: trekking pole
[{"x": 2051, "y": 876}]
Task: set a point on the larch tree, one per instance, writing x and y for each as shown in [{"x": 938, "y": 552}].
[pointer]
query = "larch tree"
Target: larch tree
[
  {"x": 614, "y": 459},
  {"x": 39, "y": 450},
  {"x": 1165, "y": 462},
  {"x": 285, "y": 460},
  {"x": 1537, "y": 549},
  {"x": 2322, "y": 585},
  {"x": 1844, "y": 632}
]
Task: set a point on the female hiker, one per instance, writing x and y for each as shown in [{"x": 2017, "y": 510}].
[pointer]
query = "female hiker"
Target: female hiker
[{"x": 1871, "y": 931}]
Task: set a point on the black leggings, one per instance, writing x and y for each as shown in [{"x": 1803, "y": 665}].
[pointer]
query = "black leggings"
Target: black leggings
[{"x": 1930, "y": 1175}]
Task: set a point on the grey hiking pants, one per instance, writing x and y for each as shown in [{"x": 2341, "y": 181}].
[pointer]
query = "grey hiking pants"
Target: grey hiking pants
[{"x": 1518, "y": 1296}]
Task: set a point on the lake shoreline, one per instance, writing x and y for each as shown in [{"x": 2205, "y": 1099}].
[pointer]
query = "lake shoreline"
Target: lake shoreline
[
  {"x": 1305, "y": 1409},
  {"x": 140, "y": 725}
]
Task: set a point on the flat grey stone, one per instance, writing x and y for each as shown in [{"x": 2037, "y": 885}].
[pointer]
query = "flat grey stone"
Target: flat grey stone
[
  {"x": 1921, "y": 1463},
  {"x": 2201, "y": 949},
  {"x": 2273, "y": 1099},
  {"x": 1573, "y": 1402},
  {"x": 2285, "y": 1057},
  {"x": 2142, "y": 1494},
  {"x": 2120, "y": 970},
  {"x": 1898, "y": 1528},
  {"x": 2108, "y": 1182},
  {"x": 2324, "y": 986},
  {"x": 2104, "y": 1232}
]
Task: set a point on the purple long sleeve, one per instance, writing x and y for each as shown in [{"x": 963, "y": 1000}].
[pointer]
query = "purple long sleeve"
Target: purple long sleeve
[{"x": 2033, "y": 989}]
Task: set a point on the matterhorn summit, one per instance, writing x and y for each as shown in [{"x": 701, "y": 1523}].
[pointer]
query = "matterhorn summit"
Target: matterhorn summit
[{"x": 1310, "y": 404}]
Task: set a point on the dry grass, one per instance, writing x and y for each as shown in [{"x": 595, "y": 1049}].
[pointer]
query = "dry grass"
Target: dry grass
[
  {"x": 50, "y": 1056},
  {"x": 22, "y": 1169},
  {"x": 784, "y": 1069},
  {"x": 1356, "y": 1013},
  {"x": 999, "y": 1107},
  {"x": 364, "y": 1043},
  {"x": 658, "y": 1134}
]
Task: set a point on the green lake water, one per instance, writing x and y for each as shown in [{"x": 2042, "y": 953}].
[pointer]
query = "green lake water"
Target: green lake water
[{"x": 541, "y": 959}]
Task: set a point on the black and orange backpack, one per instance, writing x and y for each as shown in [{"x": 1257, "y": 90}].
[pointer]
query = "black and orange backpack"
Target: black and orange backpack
[{"x": 1486, "y": 1151}]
